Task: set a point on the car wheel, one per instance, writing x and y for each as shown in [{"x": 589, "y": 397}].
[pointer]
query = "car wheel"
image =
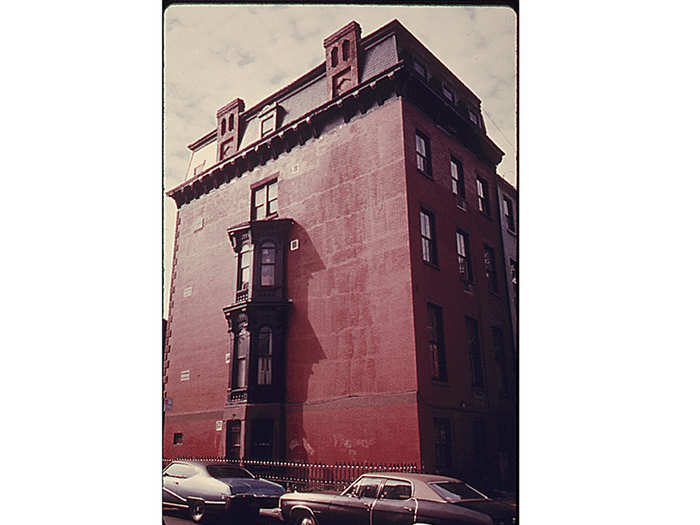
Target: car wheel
[
  {"x": 197, "y": 511},
  {"x": 304, "y": 518}
]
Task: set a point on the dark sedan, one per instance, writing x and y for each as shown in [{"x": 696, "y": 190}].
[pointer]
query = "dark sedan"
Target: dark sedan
[
  {"x": 216, "y": 488},
  {"x": 388, "y": 498}
]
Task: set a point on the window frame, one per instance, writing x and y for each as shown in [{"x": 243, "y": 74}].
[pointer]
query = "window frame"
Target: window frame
[
  {"x": 267, "y": 245},
  {"x": 388, "y": 483},
  {"x": 426, "y": 158},
  {"x": 448, "y": 93},
  {"x": 266, "y": 204},
  {"x": 508, "y": 213},
  {"x": 420, "y": 68},
  {"x": 458, "y": 186},
  {"x": 240, "y": 361},
  {"x": 445, "y": 446},
  {"x": 490, "y": 269},
  {"x": 436, "y": 343},
  {"x": 430, "y": 238},
  {"x": 482, "y": 196},
  {"x": 265, "y": 356},
  {"x": 268, "y": 118},
  {"x": 498, "y": 344},
  {"x": 474, "y": 352},
  {"x": 241, "y": 282},
  {"x": 466, "y": 277}
]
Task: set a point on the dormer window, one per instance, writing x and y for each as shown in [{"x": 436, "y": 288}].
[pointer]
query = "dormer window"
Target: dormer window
[
  {"x": 268, "y": 120},
  {"x": 267, "y": 126}
]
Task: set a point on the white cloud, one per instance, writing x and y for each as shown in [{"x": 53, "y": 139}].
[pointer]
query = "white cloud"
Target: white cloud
[{"x": 214, "y": 54}]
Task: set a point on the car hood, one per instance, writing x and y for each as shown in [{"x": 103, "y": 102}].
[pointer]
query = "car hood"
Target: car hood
[
  {"x": 495, "y": 509},
  {"x": 261, "y": 487}
]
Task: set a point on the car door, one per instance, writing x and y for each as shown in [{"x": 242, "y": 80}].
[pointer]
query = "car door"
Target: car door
[
  {"x": 395, "y": 506},
  {"x": 354, "y": 507},
  {"x": 172, "y": 489}
]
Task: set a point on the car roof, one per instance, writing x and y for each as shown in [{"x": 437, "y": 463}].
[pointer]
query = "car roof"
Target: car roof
[
  {"x": 421, "y": 489},
  {"x": 410, "y": 476}
]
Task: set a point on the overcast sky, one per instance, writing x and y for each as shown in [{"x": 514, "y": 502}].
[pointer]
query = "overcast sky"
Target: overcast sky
[{"x": 214, "y": 54}]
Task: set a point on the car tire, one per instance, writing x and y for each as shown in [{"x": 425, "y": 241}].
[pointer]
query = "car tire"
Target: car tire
[
  {"x": 304, "y": 518},
  {"x": 196, "y": 511}
]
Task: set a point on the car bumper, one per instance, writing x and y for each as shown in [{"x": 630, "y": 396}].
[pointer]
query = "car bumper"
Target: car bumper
[{"x": 255, "y": 500}]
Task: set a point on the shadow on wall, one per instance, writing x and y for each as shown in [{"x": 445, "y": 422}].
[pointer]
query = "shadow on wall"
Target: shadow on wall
[{"x": 303, "y": 347}]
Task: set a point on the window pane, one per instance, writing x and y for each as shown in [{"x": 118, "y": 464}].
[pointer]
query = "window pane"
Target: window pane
[
  {"x": 240, "y": 376},
  {"x": 242, "y": 346},
  {"x": 245, "y": 259},
  {"x": 265, "y": 341},
  {"x": 272, "y": 207},
  {"x": 272, "y": 191},
  {"x": 268, "y": 255},
  {"x": 420, "y": 145},
  {"x": 460, "y": 244},
  {"x": 396, "y": 490},
  {"x": 267, "y": 125},
  {"x": 245, "y": 277},
  {"x": 259, "y": 212},
  {"x": 260, "y": 197},
  {"x": 267, "y": 275},
  {"x": 425, "y": 224}
]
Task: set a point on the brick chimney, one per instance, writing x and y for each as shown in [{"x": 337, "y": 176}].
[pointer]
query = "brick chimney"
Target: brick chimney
[
  {"x": 342, "y": 59},
  {"x": 227, "y": 128}
]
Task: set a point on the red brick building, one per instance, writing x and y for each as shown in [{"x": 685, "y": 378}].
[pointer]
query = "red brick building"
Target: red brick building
[{"x": 338, "y": 291}]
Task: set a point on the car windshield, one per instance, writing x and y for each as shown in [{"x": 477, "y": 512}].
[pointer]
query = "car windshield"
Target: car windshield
[
  {"x": 453, "y": 491},
  {"x": 228, "y": 471}
]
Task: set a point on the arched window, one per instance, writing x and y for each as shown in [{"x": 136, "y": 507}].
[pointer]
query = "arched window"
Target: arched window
[
  {"x": 265, "y": 356},
  {"x": 230, "y": 122},
  {"x": 267, "y": 266},
  {"x": 223, "y": 125},
  {"x": 346, "y": 49},
  {"x": 334, "y": 57}
]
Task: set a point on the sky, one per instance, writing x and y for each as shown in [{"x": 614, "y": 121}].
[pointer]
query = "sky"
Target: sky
[{"x": 214, "y": 54}]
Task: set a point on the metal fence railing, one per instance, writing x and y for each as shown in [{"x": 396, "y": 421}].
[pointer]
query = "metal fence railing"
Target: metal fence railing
[{"x": 307, "y": 476}]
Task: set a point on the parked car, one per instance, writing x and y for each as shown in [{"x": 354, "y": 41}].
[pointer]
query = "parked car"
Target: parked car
[
  {"x": 389, "y": 498},
  {"x": 217, "y": 488}
]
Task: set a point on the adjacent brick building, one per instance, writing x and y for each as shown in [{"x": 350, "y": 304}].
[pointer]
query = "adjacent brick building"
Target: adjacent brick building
[{"x": 338, "y": 292}]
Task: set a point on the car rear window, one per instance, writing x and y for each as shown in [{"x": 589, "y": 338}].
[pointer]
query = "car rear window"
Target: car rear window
[
  {"x": 228, "y": 471},
  {"x": 453, "y": 491}
]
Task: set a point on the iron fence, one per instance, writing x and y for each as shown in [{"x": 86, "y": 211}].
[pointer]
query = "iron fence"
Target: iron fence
[{"x": 307, "y": 476}]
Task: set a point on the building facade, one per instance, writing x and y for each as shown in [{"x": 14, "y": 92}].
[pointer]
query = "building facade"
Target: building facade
[
  {"x": 337, "y": 293},
  {"x": 508, "y": 202}
]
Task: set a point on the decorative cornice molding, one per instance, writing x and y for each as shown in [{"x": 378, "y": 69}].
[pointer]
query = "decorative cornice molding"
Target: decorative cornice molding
[
  {"x": 209, "y": 137},
  {"x": 292, "y": 134},
  {"x": 397, "y": 80}
]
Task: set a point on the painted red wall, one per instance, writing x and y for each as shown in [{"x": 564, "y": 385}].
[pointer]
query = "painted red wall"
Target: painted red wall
[
  {"x": 442, "y": 287},
  {"x": 350, "y": 328}
]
